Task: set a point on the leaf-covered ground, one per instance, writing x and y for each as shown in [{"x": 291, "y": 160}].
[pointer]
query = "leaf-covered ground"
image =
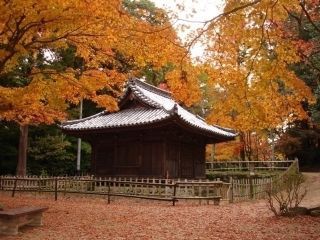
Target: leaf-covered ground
[{"x": 77, "y": 217}]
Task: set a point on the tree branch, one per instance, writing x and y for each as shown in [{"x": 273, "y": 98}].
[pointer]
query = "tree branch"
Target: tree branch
[
  {"x": 211, "y": 21},
  {"x": 302, "y": 4}
]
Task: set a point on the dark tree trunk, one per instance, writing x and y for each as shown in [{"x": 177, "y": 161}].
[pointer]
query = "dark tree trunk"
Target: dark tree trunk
[
  {"x": 248, "y": 145},
  {"x": 242, "y": 147},
  {"x": 23, "y": 144}
]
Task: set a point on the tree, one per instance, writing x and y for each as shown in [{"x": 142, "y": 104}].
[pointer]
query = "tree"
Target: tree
[
  {"x": 302, "y": 137},
  {"x": 249, "y": 53},
  {"x": 32, "y": 32},
  {"x": 250, "y": 57},
  {"x": 32, "y": 28}
]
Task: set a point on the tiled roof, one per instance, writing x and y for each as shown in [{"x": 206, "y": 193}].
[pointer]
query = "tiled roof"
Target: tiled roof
[
  {"x": 162, "y": 107},
  {"x": 123, "y": 118},
  {"x": 163, "y": 99}
]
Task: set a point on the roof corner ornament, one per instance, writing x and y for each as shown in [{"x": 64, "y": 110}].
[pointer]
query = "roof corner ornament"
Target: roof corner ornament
[
  {"x": 174, "y": 109},
  {"x": 131, "y": 81}
]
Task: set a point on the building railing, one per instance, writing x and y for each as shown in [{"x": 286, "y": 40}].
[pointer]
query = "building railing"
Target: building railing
[{"x": 248, "y": 165}]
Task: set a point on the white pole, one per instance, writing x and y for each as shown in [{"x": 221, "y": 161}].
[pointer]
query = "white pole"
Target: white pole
[
  {"x": 79, "y": 143},
  {"x": 272, "y": 145}
]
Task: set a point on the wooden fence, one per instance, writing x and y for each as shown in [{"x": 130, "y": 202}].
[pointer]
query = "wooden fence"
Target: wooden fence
[
  {"x": 156, "y": 189},
  {"x": 247, "y": 165},
  {"x": 255, "y": 188},
  {"x": 147, "y": 188},
  {"x": 248, "y": 188}
]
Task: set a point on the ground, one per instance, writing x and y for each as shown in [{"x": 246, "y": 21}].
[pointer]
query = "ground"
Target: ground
[
  {"x": 312, "y": 184},
  {"x": 73, "y": 217}
]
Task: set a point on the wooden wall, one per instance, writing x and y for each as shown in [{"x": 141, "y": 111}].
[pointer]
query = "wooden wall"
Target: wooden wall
[{"x": 153, "y": 153}]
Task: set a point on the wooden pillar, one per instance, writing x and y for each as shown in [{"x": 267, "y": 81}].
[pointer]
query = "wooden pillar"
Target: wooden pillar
[
  {"x": 194, "y": 155},
  {"x": 164, "y": 155},
  {"x": 203, "y": 159},
  {"x": 140, "y": 157},
  {"x": 115, "y": 158},
  {"x": 179, "y": 157},
  {"x": 94, "y": 147}
]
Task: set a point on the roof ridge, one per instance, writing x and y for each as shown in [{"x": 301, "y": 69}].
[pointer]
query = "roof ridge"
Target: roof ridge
[
  {"x": 224, "y": 128},
  {"x": 82, "y": 119},
  {"x": 144, "y": 98},
  {"x": 206, "y": 124},
  {"x": 152, "y": 88}
]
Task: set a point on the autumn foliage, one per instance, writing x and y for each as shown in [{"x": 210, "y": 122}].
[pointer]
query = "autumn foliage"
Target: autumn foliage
[
  {"x": 100, "y": 32},
  {"x": 248, "y": 51},
  {"x": 251, "y": 54}
]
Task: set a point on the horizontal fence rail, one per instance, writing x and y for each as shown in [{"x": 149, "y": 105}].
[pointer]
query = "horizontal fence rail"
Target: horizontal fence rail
[
  {"x": 247, "y": 165},
  {"x": 146, "y": 188}
]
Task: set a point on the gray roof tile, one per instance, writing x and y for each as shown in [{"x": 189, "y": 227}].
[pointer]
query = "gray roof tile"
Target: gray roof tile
[{"x": 123, "y": 118}]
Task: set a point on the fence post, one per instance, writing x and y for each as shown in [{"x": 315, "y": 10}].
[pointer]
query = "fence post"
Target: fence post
[
  {"x": 174, "y": 194},
  {"x": 297, "y": 163},
  {"x": 14, "y": 187},
  {"x": 55, "y": 189},
  {"x": 251, "y": 187},
  {"x": 65, "y": 186},
  {"x": 231, "y": 192},
  {"x": 39, "y": 185},
  {"x": 109, "y": 192}
]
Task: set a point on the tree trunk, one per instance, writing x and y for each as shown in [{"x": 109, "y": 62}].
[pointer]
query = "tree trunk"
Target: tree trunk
[
  {"x": 248, "y": 145},
  {"x": 242, "y": 147},
  {"x": 23, "y": 144}
]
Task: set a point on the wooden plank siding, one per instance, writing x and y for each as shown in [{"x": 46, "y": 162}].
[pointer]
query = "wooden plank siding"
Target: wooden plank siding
[{"x": 159, "y": 153}]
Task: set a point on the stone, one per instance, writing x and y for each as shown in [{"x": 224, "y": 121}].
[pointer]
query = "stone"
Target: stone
[
  {"x": 298, "y": 211},
  {"x": 315, "y": 212}
]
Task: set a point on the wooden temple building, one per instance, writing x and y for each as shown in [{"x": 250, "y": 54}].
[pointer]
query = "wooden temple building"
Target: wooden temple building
[{"x": 150, "y": 136}]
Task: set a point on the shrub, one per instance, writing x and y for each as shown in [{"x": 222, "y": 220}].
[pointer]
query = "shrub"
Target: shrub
[{"x": 286, "y": 192}]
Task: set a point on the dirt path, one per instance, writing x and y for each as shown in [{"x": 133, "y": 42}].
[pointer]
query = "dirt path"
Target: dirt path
[{"x": 312, "y": 185}]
